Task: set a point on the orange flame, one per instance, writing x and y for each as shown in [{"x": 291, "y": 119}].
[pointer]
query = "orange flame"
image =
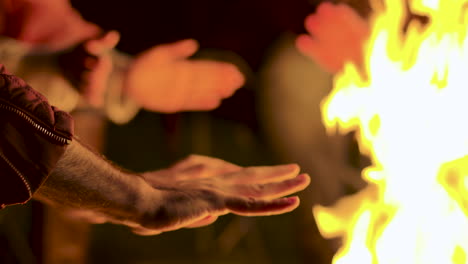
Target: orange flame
[{"x": 409, "y": 110}]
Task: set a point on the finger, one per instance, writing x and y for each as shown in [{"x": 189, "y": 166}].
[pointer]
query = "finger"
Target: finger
[
  {"x": 96, "y": 81},
  {"x": 308, "y": 46},
  {"x": 192, "y": 221},
  {"x": 186, "y": 223},
  {"x": 263, "y": 174},
  {"x": 273, "y": 190},
  {"x": 220, "y": 77},
  {"x": 207, "y": 103},
  {"x": 352, "y": 26},
  {"x": 356, "y": 30},
  {"x": 180, "y": 49},
  {"x": 198, "y": 171},
  {"x": 213, "y": 163},
  {"x": 328, "y": 9},
  {"x": 103, "y": 44},
  {"x": 319, "y": 53},
  {"x": 252, "y": 207},
  {"x": 209, "y": 82},
  {"x": 329, "y": 23},
  {"x": 330, "y": 13},
  {"x": 149, "y": 232},
  {"x": 325, "y": 8},
  {"x": 204, "y": 222},
  {"x": 201, "y": 171},
  {"x": 312, "y": 24},
  {"x": 141, "y": 231},
  {"x": 202, "y": 100},
  {"x": 318, "y": 24},
  {"x": 354, "y": 22},
  {"x": 233, "y": 79}
]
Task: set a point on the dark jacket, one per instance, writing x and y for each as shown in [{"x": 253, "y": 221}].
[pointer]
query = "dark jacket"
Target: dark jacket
[{"x": 33, "y": 136}]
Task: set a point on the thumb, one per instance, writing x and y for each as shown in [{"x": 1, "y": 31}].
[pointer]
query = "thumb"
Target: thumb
[
  {"x": 102, "y": 44},
  {"x": 181, "y": 49}
]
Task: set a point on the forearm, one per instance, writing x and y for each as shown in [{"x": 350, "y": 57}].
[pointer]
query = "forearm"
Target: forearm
[
  {"x": 84, "y": 180},
  {"x": 192, "y": 194}
]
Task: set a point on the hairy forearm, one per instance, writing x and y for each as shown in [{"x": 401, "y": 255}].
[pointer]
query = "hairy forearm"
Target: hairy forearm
[
  {"x": 191, "y": 193},
  {"x": 84, "y": 180}
]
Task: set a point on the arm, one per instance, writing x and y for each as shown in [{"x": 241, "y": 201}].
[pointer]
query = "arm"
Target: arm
[
  {"x": 162, "y": 78},
  {"x": 37, "y": 141},
  {"x": 192, "y": 193},
  {"x": 84, "y": 181}
]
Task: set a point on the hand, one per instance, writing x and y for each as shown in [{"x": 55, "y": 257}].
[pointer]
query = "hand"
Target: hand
[
  {"x": 52, "y": 24},
  {"x": 192, "y": 193},
  {"x": 337, "y": 34},
  {"x": 198, "y": 189},
  {"x": 163, "y": 79},
  {"x": 89, "y": 65}
]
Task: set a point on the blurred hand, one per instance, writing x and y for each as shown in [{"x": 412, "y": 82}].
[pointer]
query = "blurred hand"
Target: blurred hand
[
  {"x": 88, "y": 66},
  {"x": 98, "y": 66},
  {"x": 198, "y": 189},
  {"x": 51, "y": 24},
  {"x": 337, "y": 34},
  {"x": 163, "y": 79}
]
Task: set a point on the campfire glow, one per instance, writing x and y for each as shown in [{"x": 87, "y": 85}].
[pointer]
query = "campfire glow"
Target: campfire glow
[{"x": 410, "y": 112}]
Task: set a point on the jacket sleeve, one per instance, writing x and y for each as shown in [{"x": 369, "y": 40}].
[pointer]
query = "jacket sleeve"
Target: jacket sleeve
[{"x": 33, "y": 137}]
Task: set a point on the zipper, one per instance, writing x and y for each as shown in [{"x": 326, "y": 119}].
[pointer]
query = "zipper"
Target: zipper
[
  {"x": 61, "y": 139},
  {"x": 26, "y": 182}
]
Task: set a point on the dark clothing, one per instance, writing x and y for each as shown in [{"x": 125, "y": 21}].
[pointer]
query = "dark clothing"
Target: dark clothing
[{"x": 34, "y": 135}]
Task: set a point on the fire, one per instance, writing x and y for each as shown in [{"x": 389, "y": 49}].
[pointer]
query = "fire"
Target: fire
[{"x": 409, "y": 107}]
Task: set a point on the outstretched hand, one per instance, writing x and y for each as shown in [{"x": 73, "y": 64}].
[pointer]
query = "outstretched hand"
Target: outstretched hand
[
  {"x": 192, "y": 193},
  {"x": 163, "y": 79},
  {"x": 198, "y": 189},
  {"x": 337, "y": 34}
]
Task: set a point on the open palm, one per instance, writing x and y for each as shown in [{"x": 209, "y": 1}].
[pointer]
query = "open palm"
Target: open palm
[{"x": 197, "y": 190}]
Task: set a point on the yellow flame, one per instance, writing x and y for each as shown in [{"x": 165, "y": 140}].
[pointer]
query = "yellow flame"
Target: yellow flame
[{"x": 409, "y": 107}]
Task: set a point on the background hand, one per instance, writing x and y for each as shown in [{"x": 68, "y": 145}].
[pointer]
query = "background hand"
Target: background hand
[
  {"x": 53, "y": 25},
  {"x": 198, "y": 189},
  {"x": 88, "y": 66},
  {"x": 99, "y": 68},
  {"x": 337, "y": 34},
  {"x": 163, "y": 79}
]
